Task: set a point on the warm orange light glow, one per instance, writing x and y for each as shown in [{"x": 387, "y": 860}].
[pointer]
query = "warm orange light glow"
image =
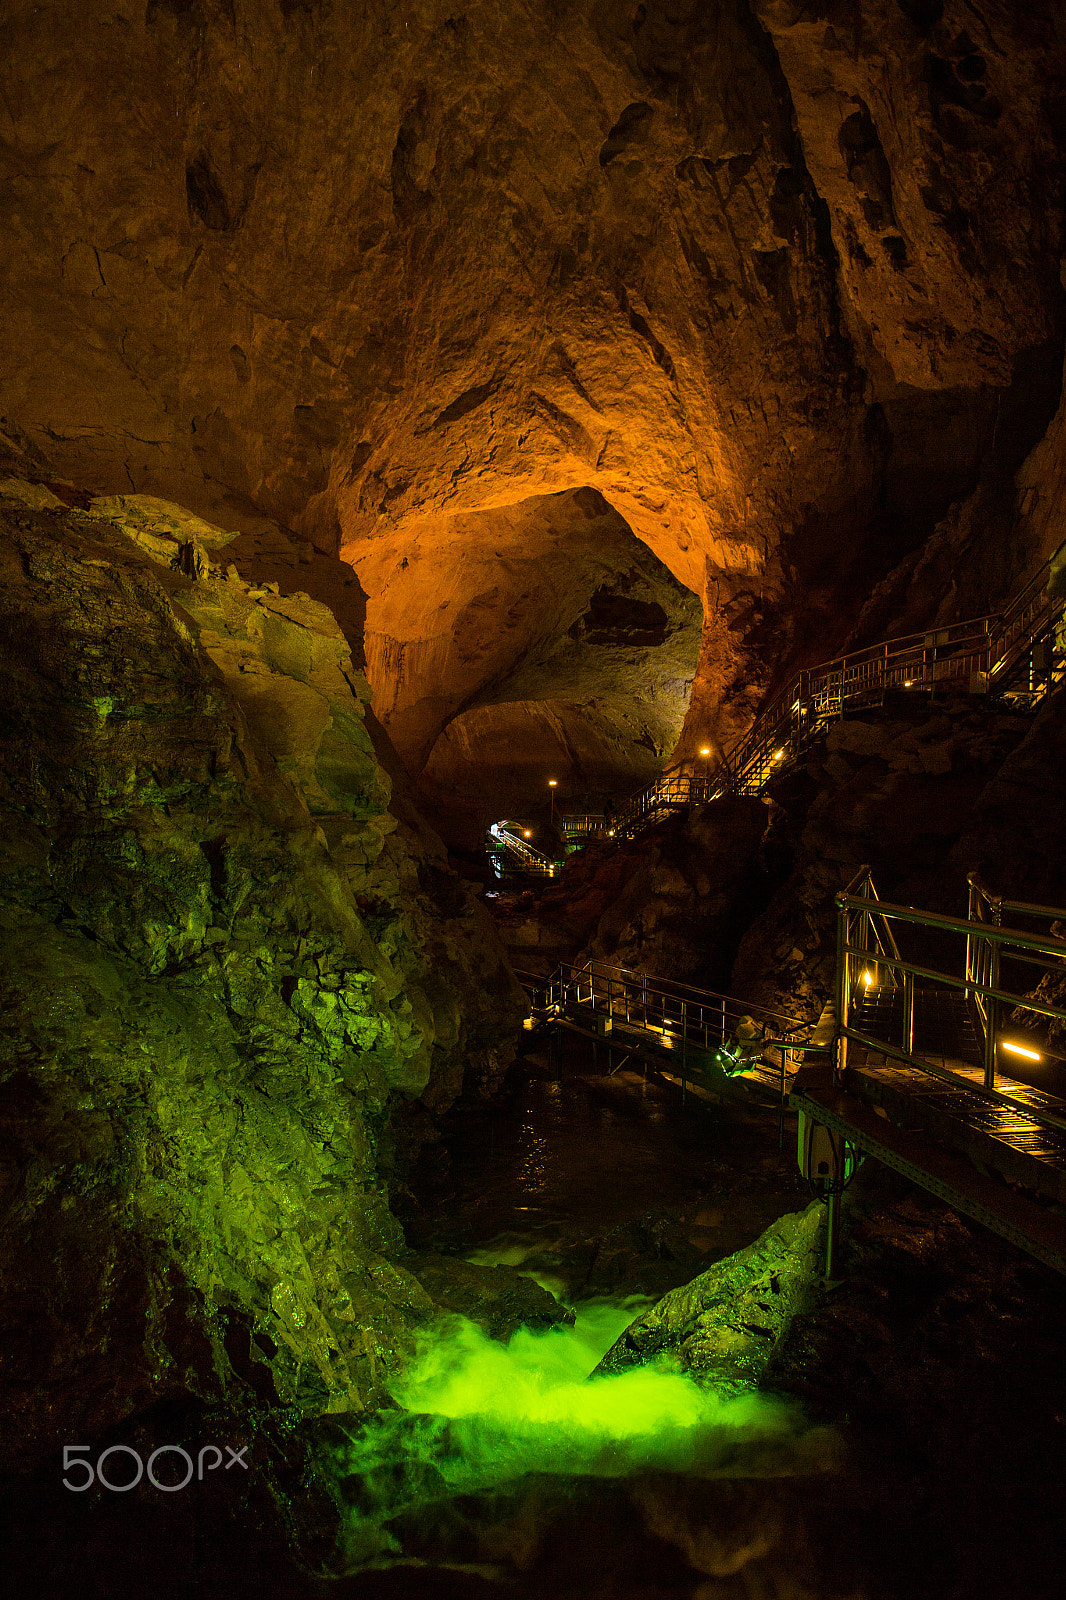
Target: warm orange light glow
[
  {"x": 779, "y": 755},
  {"x": 529, "y": 833},
  {"x": 1020, "y": 1050},
  {"x": 705, "y": 750},
  {"x": 867, "y": 978},
  {"x": 553, "y": 783}
]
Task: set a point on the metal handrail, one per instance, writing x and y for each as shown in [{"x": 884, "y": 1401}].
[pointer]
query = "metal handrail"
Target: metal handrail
[
  {"x": 817, "y": 695},
  {"x": 639, "y": 979},
  {"x": 987, "y": 941},
  {"x": 531, "y": 860}
]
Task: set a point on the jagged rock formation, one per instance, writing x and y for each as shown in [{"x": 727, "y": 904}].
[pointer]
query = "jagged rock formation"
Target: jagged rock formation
[
  {"x": 726, "y": 1326},
  {"x": 779, "y": 282},
  {"x": 672, "y": 903},
  {"x": 232, "y": 977}
]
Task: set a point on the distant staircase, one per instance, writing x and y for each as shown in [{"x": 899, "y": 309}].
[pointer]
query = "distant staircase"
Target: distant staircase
[{"x": 1015, "y": 656}]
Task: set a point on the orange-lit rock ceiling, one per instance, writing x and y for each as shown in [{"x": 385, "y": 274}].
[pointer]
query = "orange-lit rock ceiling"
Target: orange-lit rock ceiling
[{"x": 761, "y": 293}]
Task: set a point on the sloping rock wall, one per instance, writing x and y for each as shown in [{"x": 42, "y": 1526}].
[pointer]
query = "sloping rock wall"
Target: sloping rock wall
[{"x": 230, "y": 978}]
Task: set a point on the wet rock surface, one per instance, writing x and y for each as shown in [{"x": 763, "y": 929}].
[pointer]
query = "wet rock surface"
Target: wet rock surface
[
  {"x": 725, "y": 1327},
  {"x": 231, "y": 977},
  {"x": 495, "y": 1298}
]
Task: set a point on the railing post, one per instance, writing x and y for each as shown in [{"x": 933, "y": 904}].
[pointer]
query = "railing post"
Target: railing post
[
  {"x": 684, "y": 1046},
  {"x": 908, "y": 1012},
  {"x": 842, "y": 990},
  {"x": 991, "y": 1012}
]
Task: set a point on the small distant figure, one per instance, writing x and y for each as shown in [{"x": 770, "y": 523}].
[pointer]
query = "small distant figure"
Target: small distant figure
[
  {"x": 608, "y": 812},
  {"x": 403, "y": 564}
]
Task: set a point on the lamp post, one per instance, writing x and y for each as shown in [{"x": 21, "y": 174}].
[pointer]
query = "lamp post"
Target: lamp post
[
  {"x": 705, "y": 751},
  {"x": 553, "y": 784}
]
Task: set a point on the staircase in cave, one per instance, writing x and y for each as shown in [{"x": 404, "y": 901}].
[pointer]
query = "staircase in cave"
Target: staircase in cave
[
  {"x": 1016, "y": 656},
  {"x": 510, "y": 853}
]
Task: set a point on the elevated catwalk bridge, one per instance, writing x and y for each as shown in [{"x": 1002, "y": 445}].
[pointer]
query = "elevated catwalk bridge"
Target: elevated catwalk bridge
[
  {"x": 1014, "y": 656},
  {"x": 940, "y": 1061}
]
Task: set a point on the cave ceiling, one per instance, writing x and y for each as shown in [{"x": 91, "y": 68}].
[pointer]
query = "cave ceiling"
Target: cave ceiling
[{"x": 772, "y": 286}]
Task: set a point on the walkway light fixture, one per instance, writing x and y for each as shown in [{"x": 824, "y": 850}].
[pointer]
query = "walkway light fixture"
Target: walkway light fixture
[
  {"x": 1021, "y": 1050},
  {"x": 705, "y": 749},
  {"x": 553, "y": 784}
]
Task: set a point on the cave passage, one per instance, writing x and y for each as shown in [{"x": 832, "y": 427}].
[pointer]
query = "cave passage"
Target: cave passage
[{"x": 417, "y": 417}]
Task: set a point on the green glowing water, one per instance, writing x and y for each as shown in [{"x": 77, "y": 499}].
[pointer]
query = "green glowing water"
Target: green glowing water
[{"x": 478, "y": 1416}]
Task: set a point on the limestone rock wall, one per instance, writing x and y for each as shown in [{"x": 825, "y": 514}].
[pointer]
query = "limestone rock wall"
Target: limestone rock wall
[
  {"x": 231, "y": 976},
  {"x": 778, "y": 281}
]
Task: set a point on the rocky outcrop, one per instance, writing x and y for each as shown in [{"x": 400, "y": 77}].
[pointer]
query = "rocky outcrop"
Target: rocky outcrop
[
  {"x": 725, "y": 1327},
  {"x": 680, "y": 914},
  {"x": 672, "y": 903},
  {"x": 232, "y": 977}
]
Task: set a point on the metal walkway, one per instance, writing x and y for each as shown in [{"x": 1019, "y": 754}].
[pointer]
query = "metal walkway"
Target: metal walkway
[
  {"x": 924, "y": 1072},
  {"x": 1016, "y": 655},
  {"x": 707, "y": 1043}
]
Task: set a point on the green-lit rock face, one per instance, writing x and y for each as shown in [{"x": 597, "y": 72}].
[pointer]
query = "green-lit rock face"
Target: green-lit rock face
[
  {"x": 225, "y": 965},
  {"x": 725, "y": 1325}
]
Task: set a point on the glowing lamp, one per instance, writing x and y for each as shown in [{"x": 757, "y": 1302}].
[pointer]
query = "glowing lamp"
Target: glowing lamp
[
  {"x": 779, "y": 755},
  {"x": 610, "y": 833},
  {"x": 1020, "y": 1050},
  {"x": 867, "y": 978},
  {"x": 553, "y": 783},
  {"x": 705, "y": 750},
  {"x": 528, "y": 833}
]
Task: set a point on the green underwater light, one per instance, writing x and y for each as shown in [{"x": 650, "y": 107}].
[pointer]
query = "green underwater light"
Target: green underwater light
[{"x": 478, "y": 1416}]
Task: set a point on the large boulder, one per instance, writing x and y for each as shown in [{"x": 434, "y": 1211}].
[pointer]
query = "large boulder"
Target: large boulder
[{"x": 726, "y": 1325}]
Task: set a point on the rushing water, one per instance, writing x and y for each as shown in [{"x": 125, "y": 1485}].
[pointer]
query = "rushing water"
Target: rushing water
[{"x": 506, "y": 1459}]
